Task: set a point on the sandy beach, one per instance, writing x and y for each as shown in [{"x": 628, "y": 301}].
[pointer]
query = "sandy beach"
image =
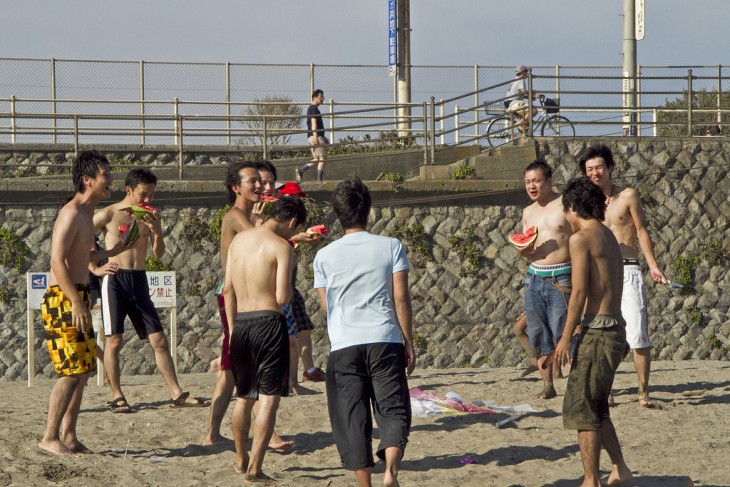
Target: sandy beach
[{"x": 684, "y": 442}]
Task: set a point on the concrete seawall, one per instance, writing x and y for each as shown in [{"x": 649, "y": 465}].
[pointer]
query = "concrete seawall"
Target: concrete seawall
[{"x": 463, "y": 308}]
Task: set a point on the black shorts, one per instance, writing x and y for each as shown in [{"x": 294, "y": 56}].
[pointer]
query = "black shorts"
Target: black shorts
[
  {"x": 260, "y": 354},
  {"x": 299, "y": 309},
  {"x": 126, "y": 293},
  {"x": 357, "y": 377}
]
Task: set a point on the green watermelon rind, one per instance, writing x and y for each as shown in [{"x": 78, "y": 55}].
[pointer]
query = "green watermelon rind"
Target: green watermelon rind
[
  {"x": 132, "y": 232},
  {"x": 521, "y": 244},
  {"x": 140, "y": 212}
]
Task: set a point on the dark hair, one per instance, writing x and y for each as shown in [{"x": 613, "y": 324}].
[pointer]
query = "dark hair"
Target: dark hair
[
  {"x": 264, "y": 165},
  {"x": 87, "y": 163},
  {"x": 595, "y": 151},
  {"x": 140, "y": 176},
  {"x": 233, "y": 178},
  {"x": 317, "y": 92},
  {"x": 585, "y": 198},
  {"x": 713, "y": 129},
  {"x": 351, "y": 202},
  {"x": 287, "y": 208},
  {"x": 546, "y": 170}
]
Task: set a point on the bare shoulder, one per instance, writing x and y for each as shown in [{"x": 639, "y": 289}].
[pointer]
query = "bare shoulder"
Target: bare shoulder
[{"x": 627, "y": 194}]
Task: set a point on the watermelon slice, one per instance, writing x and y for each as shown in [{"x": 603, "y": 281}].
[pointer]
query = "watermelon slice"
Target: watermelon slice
[
  {"x": 129, "y": 232},
  {"x": 524, "y": 240},
  {"x": 320, "y": 229},
  {"x": 268, "y": 203},
  {"x": 141, "y": 210}
]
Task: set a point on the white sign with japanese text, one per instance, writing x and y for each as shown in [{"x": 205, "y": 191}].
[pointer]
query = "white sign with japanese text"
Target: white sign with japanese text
[{"x": 163, "y": 289}]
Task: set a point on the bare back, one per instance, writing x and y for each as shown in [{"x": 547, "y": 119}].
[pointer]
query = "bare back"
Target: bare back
[
  {"x": 553, "y": 232},
  {"x": 109, "y": 219},
  {"x": 598, "y": 269},
  {"x": 71, "y": 243},
  {"x": 258, "y": 270}
]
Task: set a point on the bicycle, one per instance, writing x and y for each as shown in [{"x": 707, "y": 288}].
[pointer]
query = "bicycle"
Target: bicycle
[{"x": 502, "y": 129}]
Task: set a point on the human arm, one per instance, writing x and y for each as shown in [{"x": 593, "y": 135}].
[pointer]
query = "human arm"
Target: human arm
[
  {"x": 285, "y": 260},
  {"x": 322, "y": 294},
  {"x": 642, "y": 234},
  {"x": 64, "y": 234},
  {"x": 229, "y": 297},
  {"x": 105, "y": 270},
  {"x": 580, "y": 262},
  {"x": 404, "y": 312},
  {"x": 304, "y": 237},
  {"x": 154, "y": 223}
]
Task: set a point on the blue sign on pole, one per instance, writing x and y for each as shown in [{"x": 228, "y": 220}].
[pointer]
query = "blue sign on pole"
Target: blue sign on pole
[{"x": 392, "y": 39}]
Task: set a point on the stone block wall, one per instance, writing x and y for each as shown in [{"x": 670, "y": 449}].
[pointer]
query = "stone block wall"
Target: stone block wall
[{"x": 463, "y": 315}]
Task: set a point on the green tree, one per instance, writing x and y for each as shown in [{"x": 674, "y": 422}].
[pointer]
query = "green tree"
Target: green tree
[
  {"x": 701, "y": 100},
  {"x": 280, "y": 114}
]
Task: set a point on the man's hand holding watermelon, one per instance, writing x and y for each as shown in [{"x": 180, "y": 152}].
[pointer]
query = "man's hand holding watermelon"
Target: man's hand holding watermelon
[
  {"x": 149, "y": 216},
  {"x": 524, "y": 242}
]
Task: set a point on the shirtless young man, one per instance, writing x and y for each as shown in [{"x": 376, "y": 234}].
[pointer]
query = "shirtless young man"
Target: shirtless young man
[
  {"x": 625, "y": 217},
  {"x": 257, "y": 285},
  {"x": 547, "y": 283},
  {"x": 125, "y": 293},
  {"x": 65, "y": 305},
  {"x": 595, "y": 305},
  {"x": 244, "y": 186}
]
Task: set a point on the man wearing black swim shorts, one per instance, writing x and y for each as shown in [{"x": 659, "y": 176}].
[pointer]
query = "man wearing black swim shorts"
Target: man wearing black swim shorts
[
  {"x": 126, "y": 293},
  {"x": 257, "y": 286}
]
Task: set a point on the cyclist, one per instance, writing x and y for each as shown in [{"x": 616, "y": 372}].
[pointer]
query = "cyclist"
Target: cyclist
[{"x": 516, "y": 96}]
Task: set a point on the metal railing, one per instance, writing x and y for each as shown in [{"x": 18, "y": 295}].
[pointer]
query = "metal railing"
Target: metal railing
[{"x": 593, "y": 103}]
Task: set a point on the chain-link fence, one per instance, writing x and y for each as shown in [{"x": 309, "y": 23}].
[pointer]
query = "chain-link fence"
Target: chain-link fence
[{"x": 206, "y": 103}]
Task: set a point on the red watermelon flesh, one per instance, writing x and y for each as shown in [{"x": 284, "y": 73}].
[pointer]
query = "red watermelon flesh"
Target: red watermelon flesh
[
  {"x": 129, "y": 232},
  {"x": 320, "y": 229},
  {"x": 268, "y": 203},
  {"x": 523, "y": 240}
]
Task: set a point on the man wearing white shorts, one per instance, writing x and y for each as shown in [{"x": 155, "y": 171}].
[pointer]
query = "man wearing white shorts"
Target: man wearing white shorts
[{"x": 625, "y": 217}]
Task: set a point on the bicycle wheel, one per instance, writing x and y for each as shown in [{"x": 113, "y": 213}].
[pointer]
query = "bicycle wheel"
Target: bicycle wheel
[
  {"x": 499, "y": 131},
  {"x": 557, "y": 126}
]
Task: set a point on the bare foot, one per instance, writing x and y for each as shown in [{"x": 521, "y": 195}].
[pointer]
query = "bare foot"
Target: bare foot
[
  {"x": 644, "y": 401},
  {"x": 390, "y": 479},
  {"x": 243, "y": 467},
  {"x": 217, "y": 440},
  {"x": 300, "y": 390},
  {"x": 617, "y": 476},
  {"x": 76, "y": 446},
  {"x": 258, "y": 478},
  {"x": 548, "y": 392},
  {"x": 278, "y": 443},
  {"x": 56, "y": 447},
  {"x": 529, "y": 370}
]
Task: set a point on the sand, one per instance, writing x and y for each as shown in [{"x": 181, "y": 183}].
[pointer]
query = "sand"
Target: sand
[{"x": 686, "y": 442}]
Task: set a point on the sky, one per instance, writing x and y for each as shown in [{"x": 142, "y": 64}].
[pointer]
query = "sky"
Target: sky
[{"x": 444, "y": 32}]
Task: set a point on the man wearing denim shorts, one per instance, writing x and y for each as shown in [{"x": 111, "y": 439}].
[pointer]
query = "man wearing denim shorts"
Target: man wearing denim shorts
[
  {"x": 599, "y": 349},
  {"x": 547, "y": 283},
  {"x": 625, "y": 217}
]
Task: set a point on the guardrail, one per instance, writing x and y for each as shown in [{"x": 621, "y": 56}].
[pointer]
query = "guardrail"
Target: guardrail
[{"x": 275, "y": 129}]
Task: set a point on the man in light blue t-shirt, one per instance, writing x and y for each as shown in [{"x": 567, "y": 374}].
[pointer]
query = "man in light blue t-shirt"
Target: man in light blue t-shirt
[{"x": 362, "y": 282}]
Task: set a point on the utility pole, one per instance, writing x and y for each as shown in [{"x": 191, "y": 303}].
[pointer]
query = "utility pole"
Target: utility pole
[
  {"x": 629, "y": 67},
  {"x": 404, "y": 66}
]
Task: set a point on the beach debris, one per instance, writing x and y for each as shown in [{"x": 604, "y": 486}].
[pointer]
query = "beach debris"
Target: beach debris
[
  {"x": 424, "y": 404},
  {"x": 468, "y": 460}
]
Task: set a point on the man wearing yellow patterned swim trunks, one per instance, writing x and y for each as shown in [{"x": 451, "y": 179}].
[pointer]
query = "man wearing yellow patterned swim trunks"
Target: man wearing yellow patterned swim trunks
[{"x": 65, "y": 307}]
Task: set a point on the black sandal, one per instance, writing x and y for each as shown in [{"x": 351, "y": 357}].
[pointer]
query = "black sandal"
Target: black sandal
[{"x": 120, "y": 405}]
